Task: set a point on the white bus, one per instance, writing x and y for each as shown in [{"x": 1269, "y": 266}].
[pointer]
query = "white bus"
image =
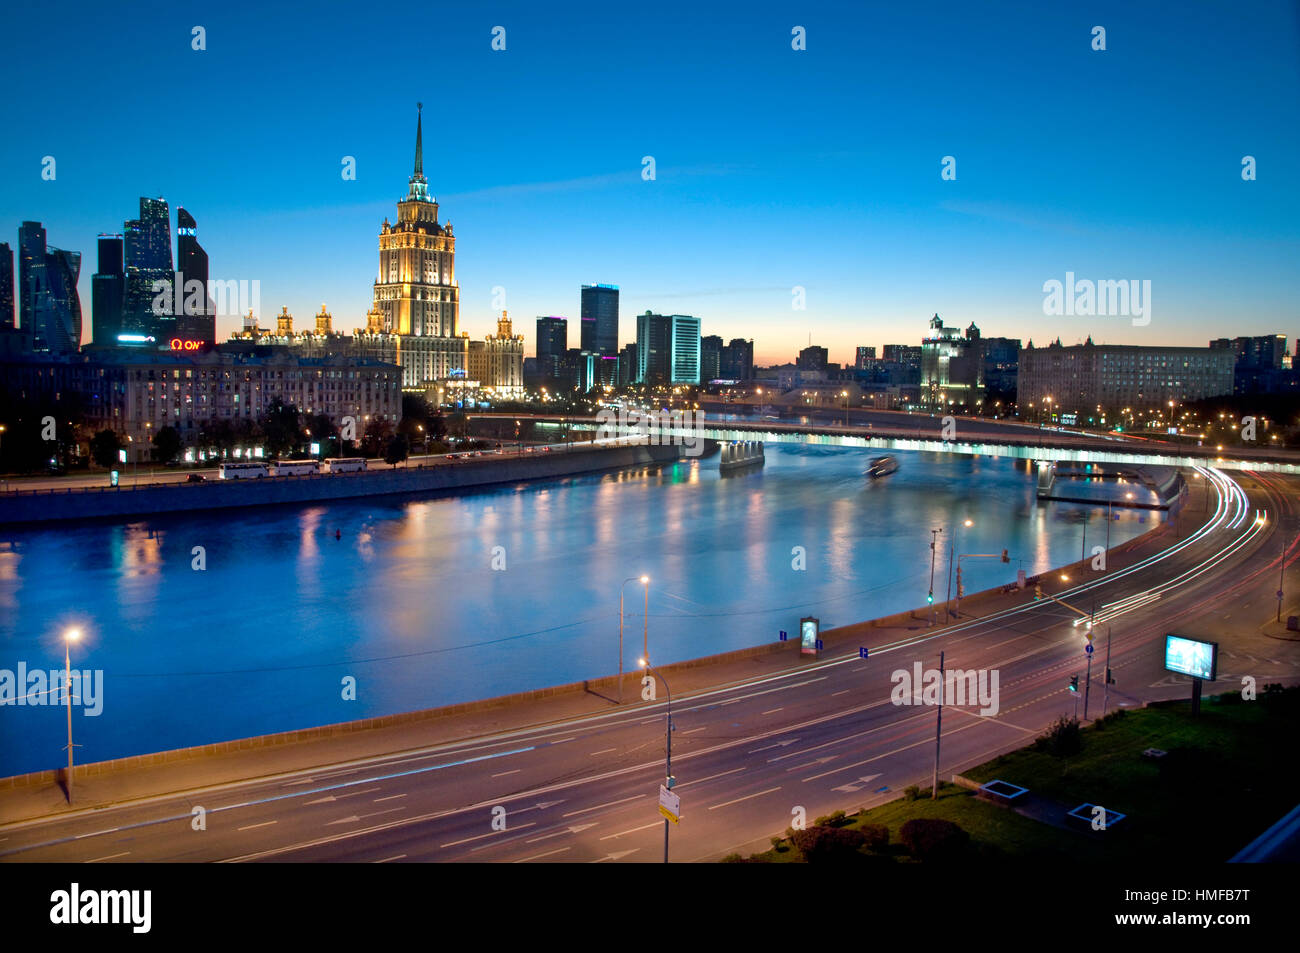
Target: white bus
[
  {"x": 345, "y": 465},
  {"x": 295, "y": 467},
  {"x": 242, "y": 471}
]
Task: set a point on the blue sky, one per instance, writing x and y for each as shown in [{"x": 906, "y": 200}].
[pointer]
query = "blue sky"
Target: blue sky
[{"x": 774, "y": 168}]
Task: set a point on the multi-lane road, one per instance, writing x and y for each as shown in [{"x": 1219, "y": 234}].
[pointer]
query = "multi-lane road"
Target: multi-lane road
[{"x": 819, "y": 737}]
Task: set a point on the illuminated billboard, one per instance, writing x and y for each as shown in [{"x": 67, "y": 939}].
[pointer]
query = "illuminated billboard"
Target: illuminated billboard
[
  {"x": 808, "y": 631},
  {"x": 1190, "y": 657}
]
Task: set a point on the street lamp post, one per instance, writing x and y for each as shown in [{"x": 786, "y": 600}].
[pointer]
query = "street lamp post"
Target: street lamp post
[
  {"x": 952, "y": 555},
  {"x": 934, "y": 536},
  {"x": 69, "y": 637},
  {"x": 668, "y": 747},
  {"x": 645, "y": 581}
]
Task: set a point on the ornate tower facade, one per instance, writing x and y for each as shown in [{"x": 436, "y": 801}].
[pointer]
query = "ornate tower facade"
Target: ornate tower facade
[{"x": 416, "y": 288}]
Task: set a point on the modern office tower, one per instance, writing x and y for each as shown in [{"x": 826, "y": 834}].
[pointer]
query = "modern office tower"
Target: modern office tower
[
  {"x": 416, "y": 291},
  {"x": 552, "y": 342},
  {"x": 1091, "y": 379},
  {"x": 653, "y": 348},
  {"x": 668, "y": 348},
  {"x": 952, "y": 366},
  {"x": 198, "y": 319},
  {"x": 627, "y": 366},
  {"x": 6, "y": 287},
  {"x": 865, "y": 356},
  {"x": 31, "y": 272},
  {"x": 600, "y": 318},
  {"x": 49, "y": 306},
  {"x": 813, "y": 358},
  {"x": 710, "y": 358},
  {"x": 685, "y": 367},
  {"x": 108, "y": 292},
  {"x": 738, "y": 360},
  {"x": 147, "y": 246}
]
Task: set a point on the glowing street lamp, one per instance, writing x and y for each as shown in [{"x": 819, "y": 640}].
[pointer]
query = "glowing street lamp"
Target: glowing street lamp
[
  {"x": 645, "y": 581},
  {"x": 70, "y": 636}
]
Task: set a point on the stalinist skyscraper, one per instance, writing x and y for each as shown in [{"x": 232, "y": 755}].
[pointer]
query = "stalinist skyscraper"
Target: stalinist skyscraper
[{"x": 416, "y": 296}]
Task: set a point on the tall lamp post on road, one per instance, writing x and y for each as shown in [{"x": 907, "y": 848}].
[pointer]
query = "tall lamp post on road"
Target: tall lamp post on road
[
  {"x": 70, "y": 636},
  {"x": 934, "y": 536},
  {"x": 669, "y": 781},
  {"x": 645, "y": 581},
  {"x": 952, "y": 555}
]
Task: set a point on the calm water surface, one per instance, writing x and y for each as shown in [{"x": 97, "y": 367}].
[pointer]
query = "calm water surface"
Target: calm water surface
[{"x": 407, "y": 602}]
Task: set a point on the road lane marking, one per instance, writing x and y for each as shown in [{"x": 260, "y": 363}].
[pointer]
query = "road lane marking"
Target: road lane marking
[
  {"x": 504, "y": 773},
  {"x": 617, "y": 855},
  {"x": 779, "y": 744},
  {"x": 709, "y": 778},
  {"x": 457, "y": 843},
  {"x": 845, "y": 692},
  {"x": 109, "y": 857},
  {"x": 255, "y": 826},
  {"x": 603, "y": 751},
  {"x": 692, "y": 730},
  {"x": 97, "y": 833},
  {"x": 771, "y": 711},
  {"x": 745, "y": 798},
  {"x": 632, "y": 831},
  {"x": 524, "y": 860},
  {"x": 634, "y": 797},
  {"x": 391, "y": 797},
  {"x": 387, "y": 859}
]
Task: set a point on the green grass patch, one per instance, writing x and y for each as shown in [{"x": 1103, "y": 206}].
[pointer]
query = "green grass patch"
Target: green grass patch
[{"x": 1225, "y": 779}]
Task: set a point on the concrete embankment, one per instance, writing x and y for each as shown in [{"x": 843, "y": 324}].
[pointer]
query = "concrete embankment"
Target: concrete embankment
[{"x": 80, "y": 503}]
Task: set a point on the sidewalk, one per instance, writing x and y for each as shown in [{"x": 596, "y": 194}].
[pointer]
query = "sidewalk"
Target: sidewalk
[{"x": 130, "y": 779}]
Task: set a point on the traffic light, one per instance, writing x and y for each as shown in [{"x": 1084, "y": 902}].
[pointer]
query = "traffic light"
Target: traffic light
[
  {"x": 961, "y": 590},
  {"x": 1005, "y": 557},
  {"x": 930, "y": 597},
  {"x": 1038, "y": 590},
  {"x": 1110, "y": 679},
  {"x": 1074, "y": 683}
]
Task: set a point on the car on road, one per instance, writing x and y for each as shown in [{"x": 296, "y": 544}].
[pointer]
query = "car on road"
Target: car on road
[{"x": 195, "y": 478}]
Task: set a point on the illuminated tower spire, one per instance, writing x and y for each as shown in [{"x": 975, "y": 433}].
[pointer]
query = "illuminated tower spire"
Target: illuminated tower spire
[{"x": 419, "y": 190}]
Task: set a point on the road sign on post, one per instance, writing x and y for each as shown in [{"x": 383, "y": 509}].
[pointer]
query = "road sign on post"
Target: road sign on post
[{"x": 670, "y": 805}]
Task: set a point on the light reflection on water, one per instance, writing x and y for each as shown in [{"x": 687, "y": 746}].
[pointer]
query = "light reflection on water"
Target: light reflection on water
[{"x": 406, "y": 601}]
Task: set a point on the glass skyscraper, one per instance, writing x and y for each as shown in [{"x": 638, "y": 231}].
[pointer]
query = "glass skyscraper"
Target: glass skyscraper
[
  {"x": 196, "y": 318},
  {"x": 48, "y": 303},
  {"x": 600, "y": 318},
  {"x": 108, "y": 292},
  {"x": 148, "y": 252},
  {"x": 6, "y": 287},
  {"x": 552, "y": 342}
]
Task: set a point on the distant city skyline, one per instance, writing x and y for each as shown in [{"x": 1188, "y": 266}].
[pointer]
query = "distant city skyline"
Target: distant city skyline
[{"x": 775, "y": 169}]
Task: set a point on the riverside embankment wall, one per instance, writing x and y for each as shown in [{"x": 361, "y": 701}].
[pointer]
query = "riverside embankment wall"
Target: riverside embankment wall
[{"x": 79, "y": 503}]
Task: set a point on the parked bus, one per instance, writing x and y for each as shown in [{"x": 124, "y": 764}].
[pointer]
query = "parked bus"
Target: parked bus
[
  {"x": 242, "y": 471},
  {"x": 296, "y": 467},
  {"x": 345, "y": 465}
]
